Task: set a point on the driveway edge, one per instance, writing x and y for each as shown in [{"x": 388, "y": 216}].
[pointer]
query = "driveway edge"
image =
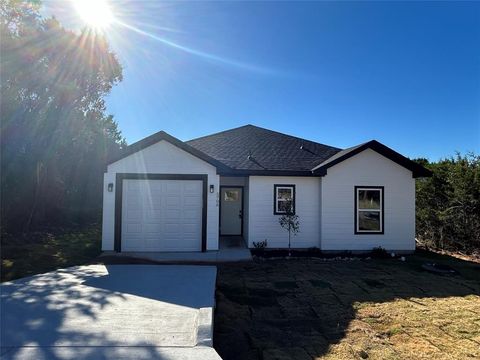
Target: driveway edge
[{"x": 205, "y": 327}]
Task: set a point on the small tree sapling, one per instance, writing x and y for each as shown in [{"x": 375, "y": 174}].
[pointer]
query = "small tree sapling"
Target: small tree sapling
[{"x": 289, "y": 221}]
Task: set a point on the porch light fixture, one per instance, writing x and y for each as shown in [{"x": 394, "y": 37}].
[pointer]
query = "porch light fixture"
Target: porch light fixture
[
  {"x": 110, "y": 187},
  {"x": 212, "y": 188}
]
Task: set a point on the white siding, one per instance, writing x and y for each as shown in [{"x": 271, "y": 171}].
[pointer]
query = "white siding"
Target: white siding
[
  {"x": 263, "y": 224},
  {"x": 160, "y": 158},
  {"x": 108, "y": 221},
  {"x": 368, "y": 169}
]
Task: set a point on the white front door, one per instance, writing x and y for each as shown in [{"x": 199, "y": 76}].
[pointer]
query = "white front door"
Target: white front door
[
  {"x": 162, "y": 215},
  {"x": 231, "y": 199}
]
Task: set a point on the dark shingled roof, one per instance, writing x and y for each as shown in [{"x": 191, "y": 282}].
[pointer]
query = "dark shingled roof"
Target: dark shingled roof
[{"x": 254, "y": 148}]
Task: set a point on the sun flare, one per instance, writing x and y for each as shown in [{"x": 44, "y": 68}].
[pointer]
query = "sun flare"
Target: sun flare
[{"x": 95, "y": 13}]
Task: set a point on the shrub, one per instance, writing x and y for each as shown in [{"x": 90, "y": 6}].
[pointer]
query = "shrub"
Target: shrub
[
  {"x": 260, "y": 245},
  {"x": 379, "y": 253}
]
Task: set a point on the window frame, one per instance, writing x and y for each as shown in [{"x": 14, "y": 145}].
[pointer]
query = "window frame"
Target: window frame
[
  {"x": 381, "y": 211},
  {"x": 275, "y": 201}
]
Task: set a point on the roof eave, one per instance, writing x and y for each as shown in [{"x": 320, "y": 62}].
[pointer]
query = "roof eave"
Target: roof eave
[
  {"x": 247, "y": 172},
  {"x": 416, "y": 169},
  {"x": 162, "y": 135}
]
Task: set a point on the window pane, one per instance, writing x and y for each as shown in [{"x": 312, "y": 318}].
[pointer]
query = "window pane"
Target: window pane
[
  {"x": 284, "y": 206},
  {"x": 284, "y": 194},
  {"x": 231, "y": 195},
  {"x": 369, "y": 220},
  {"x": 369, "y": 199}
]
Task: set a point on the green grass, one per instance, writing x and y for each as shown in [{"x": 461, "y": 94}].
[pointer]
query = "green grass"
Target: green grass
[{"x": 39, "y": 252}]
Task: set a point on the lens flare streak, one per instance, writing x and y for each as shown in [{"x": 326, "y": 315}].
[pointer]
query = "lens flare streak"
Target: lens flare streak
[{"x": 204, "y": 55}]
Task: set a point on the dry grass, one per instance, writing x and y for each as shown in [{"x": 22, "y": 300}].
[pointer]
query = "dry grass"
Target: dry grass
[
  {"x": 426, "y": 328},
  {"x": 380, "y": 309}
]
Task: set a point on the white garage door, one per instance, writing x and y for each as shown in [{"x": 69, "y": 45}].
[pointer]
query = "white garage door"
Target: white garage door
[{"x": 162, "y": 215}]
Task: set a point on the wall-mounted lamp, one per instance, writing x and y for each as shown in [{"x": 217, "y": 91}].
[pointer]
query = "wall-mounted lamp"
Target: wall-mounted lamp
[
  {"x": 110, "y": 187},
  {"x": 212, "y": 189}
]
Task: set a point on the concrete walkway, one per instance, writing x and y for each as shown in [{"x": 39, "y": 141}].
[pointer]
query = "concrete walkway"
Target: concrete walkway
[
  {"x": 208, "y": 257},
  {"x": 232, "y": 249},
  {"x": 110, "y": 312}
]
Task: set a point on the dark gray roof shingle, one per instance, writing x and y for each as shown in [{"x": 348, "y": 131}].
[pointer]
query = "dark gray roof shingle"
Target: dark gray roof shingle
[{"x": 254, "y": 148}]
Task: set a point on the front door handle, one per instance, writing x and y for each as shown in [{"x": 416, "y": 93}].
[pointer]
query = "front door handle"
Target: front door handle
[{"x": 240, "y": 215}]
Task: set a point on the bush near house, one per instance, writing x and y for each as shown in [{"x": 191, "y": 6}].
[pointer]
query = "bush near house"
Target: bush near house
[{"x": 448, "y": 204}]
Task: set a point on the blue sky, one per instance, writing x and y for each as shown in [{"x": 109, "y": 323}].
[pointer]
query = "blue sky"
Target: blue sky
[{"x": 406, "y": 74}]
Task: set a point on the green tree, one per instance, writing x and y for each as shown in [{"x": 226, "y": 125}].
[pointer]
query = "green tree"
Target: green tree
[
  {"x": 290, "y": 222},
  {"x": 55, "y": 134},
  {"x": 448, "y": 204}
]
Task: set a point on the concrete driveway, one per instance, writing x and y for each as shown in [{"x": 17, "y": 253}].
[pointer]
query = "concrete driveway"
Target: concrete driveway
[{"x": 110, "y": 312}]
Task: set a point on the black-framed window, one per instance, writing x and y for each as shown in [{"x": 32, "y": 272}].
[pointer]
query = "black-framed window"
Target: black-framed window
[
  {"x": 283, "y": 199},
  {"x": 369, "y": 209}
]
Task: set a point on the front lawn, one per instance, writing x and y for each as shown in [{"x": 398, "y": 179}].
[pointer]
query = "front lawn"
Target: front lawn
[
  {"x": 347, "y": 309},
  {"x": 39, "y": 252}
]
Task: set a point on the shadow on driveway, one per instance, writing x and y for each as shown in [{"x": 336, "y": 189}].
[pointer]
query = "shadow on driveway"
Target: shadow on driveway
[{"x": 104, "y": 312}]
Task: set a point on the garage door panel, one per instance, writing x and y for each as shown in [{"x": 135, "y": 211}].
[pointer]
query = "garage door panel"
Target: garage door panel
[
  {"x": 153, "y": 228},
  {"x": 192, "y": 214},
  {"x": 191, "y": 201},
  {"x": 173, "y": 215},
  {"x": 155, "y": 205},
  {"x": 193, "y": 188},
  {"x": 134, "y": 228},
  {"x": 155, "y": 186},
  {"x": 174, "y": 187},
  {"x": 151, "y": 243},
  {"x": 174, "y": 201},
  {"x": 172, "y": 230},
  {"x": 133, "y": 185},
  {"x": 162, "y": 215},
  {"x": 153, "y": 215},
  {"x": 134, "y": 200},
  {"x": 133, "y": 215},
  {"x": 190, "y": 234}
]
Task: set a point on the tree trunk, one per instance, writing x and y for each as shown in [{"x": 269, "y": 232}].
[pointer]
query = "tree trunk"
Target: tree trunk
[{"x": 289, "y": 230}]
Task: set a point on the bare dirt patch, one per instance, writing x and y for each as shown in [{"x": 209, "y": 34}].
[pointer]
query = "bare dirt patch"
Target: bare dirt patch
[{"x": 375, "y": 309}]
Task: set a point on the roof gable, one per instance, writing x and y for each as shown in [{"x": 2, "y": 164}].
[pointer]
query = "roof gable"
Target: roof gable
[
  {"x": 416, "y": 169},
  {"x": 162, "y": 135}
]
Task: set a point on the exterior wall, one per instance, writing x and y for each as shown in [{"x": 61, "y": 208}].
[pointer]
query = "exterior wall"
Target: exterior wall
[
  {"x": 233, "y": 181},
  {"x": 160, "y": 158},
  {"x": 263, "y": 224},
  {"x": 367, "y": 168},
  {"x": 246, "y": 207},
  {"x": 239, "y": 181}
]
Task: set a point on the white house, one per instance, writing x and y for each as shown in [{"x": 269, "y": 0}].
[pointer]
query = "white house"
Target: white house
[{"x": 163, "y": 194}]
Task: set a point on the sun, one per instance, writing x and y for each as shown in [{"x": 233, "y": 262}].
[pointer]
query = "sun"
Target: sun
[{"x": 95, "y": 13}]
